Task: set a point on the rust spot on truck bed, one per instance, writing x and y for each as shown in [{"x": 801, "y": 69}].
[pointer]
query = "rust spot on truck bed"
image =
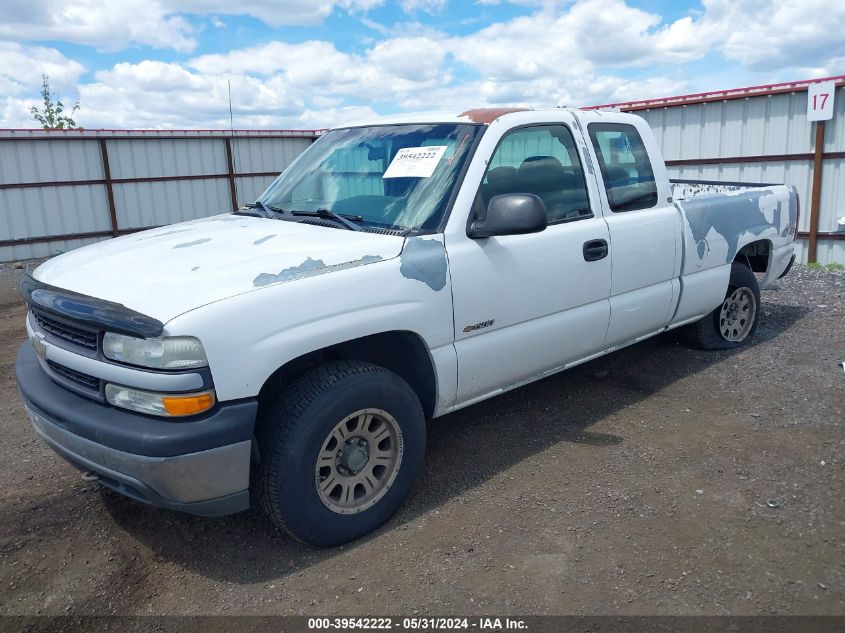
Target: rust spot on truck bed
[{"x": 488, "y": 115}]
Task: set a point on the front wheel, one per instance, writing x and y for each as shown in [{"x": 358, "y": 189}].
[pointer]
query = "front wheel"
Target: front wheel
[
  {"x": 339, "y": 451},
  {"x": 734, "y": 322}
]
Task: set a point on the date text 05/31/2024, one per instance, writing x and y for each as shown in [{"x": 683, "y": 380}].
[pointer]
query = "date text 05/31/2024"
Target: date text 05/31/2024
[{"x": 417, "y": 624}]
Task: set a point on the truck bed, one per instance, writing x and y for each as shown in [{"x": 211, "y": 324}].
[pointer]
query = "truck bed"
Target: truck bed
[{"x": 723, "y": 217}]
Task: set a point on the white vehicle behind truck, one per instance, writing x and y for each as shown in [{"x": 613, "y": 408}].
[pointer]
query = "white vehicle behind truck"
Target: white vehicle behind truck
[{"x": 291, "y": 352}]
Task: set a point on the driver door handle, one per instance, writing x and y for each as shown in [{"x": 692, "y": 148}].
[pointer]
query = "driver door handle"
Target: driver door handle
[{"x": 595, "y": 250}]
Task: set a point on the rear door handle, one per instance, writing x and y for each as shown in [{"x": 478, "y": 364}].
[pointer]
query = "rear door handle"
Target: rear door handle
[{"x": 595, "y": 250}]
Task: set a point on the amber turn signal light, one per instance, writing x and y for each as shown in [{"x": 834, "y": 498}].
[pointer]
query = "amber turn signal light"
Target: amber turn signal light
[{"x": 188, "y": 405}]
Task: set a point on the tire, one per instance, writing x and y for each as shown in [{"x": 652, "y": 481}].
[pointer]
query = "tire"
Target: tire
[
  {"x": 361, "y": 403},
  {"x": 712, "y": 332}
]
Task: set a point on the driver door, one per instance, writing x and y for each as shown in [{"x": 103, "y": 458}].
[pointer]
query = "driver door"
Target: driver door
[{"x": 526, "y": 305}]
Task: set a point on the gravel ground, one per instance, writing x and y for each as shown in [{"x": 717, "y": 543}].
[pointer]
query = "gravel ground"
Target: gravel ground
[{"x": 636, "y": 484}]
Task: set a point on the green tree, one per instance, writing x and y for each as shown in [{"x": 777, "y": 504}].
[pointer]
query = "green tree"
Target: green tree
[{"x": 52, "y": 116}]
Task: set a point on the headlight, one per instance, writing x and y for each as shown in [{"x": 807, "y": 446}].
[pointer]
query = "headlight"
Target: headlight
[
  {"x": 175, "y": 352},
  {"x": 168, "y": 405}
]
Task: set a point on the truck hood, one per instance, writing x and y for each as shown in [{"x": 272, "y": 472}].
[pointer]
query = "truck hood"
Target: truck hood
[{"x": 168, "y": 271}]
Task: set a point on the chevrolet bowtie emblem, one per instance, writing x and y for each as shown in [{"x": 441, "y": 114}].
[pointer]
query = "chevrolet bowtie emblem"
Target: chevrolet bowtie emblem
[{"x": 39, "y": 345}]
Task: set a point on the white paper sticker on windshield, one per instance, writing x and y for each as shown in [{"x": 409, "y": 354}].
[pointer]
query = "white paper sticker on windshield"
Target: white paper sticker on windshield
[{"x": 415, "y": 162}]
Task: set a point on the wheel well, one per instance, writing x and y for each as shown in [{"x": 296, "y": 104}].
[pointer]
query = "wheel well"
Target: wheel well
[
  {"x": 755, "y": 255},
  {"x": 403, "y": 353}
]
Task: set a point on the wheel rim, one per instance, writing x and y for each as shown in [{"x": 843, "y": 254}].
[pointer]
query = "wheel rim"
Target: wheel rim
[
  {"x": 737, "y": 315},
  {"x": 359, "y": 461}
]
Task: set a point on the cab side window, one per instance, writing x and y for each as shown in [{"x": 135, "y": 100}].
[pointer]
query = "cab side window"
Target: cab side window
[
  {"x": 625, "y": 167},
  {"x": 541, "y": 160}
]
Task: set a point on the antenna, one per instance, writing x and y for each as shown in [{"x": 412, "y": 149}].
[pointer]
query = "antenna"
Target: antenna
[{"x": 232, "y": 143}]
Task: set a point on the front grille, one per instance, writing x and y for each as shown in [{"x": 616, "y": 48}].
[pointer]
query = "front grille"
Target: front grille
[
  {"x": 78, "y": 336},
  {"x": 77, "y": 377}
]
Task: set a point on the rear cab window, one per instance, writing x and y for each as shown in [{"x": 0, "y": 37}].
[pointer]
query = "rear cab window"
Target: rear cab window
[{"x": 625, "y": 166}]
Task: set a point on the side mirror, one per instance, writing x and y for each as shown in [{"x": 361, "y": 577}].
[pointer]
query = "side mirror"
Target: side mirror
[{"x": 511, "y": 214}]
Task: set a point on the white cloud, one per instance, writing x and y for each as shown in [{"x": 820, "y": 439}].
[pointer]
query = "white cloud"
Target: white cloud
[
  {"x": 159, "y": 94},
  {"x": 14, "y": 113},
  {"x": 561, "y": 53},
  {"x": 21, "y": 68},
  {"x": 273, "y": 12},
  {"x": 414, "y": 59},
  {"x": 323, "y": 118},
  {"x": 273, "y": 85},
  {"x": 124, "y": 98},
  {"x": 108, "y": 26},
  {"x": 619, "y": 90},
  {"x": 771, "y": 35},
  {"x": 826, "y": 67},
  {"x": 390, "y": 67},
  {"x": 547, "y": 4},
  {"x": 266, "y": 59},
  {"x": 111, "y": 26},
  {"x": 761, "y": 35},
  {"x": 591, "y": 33},
  {"x": 428, "y": 6}
]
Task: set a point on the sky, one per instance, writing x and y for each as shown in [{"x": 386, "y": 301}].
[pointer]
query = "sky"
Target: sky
[{"x": 309, "y": 64}]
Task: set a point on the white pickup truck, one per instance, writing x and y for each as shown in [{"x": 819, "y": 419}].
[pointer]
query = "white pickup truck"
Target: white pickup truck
[{"x": 398, "y": 270}]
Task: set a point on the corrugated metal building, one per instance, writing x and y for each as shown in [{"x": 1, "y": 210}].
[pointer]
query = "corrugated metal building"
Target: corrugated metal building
[
  {"x": 759, "y": 134},
  {"x": 62, "y": 189}
]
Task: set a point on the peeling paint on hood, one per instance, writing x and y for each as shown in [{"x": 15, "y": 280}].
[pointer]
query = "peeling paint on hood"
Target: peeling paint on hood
[
  {"x": 311, "y": 267},
  {"x": 168, "y": 271}
]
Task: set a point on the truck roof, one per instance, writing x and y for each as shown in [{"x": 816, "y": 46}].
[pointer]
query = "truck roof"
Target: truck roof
[
  {"x": 482, "y": 116},
  {"x": 476, "y": 115}
]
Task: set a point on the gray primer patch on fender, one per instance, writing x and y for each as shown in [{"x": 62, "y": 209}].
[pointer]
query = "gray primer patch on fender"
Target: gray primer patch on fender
[
  {"x": 309, "y": 268},
  {"x": 735, "y": 214},
  {"x": 194, "y": 243},
  {"x": 264, "y": 239},
  {"x": 425, "y": 261},
  {"x": 729, "y": 216}
]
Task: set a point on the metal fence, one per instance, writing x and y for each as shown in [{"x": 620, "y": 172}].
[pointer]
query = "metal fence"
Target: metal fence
[
  {"x": 62, "y": 189},
  {"x": 761, "y": 134}
]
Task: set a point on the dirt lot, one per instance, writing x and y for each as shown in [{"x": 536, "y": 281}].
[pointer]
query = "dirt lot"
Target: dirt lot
[{"x": 636, "y": 484}]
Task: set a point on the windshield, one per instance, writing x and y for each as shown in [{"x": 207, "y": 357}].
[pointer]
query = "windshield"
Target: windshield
[{"x": 392, "y": 176}]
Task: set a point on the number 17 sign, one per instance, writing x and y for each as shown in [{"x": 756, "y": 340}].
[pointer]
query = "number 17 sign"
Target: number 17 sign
[{"x": 820, "y": 101}]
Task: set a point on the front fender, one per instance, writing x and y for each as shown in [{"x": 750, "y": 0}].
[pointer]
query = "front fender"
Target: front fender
[{"x": 249, "y": 336}]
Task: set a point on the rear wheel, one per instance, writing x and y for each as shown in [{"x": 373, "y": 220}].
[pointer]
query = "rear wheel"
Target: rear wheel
[
  {"x": 339, "y": 452},
  {"x": 734, "y": 322}
]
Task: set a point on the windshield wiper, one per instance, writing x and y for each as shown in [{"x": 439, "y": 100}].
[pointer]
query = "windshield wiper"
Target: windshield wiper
[
  {"x": 327, "y": 214},
  {"x": 265, "y": 210}
]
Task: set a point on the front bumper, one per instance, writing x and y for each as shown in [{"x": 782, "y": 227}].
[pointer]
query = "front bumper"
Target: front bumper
[{"x": 199, "y": 466}]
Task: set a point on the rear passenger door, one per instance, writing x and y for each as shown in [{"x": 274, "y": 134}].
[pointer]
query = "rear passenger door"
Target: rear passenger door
[
  {"x": 644, "y": 233},
  {"x": 529, "y": 304}
]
